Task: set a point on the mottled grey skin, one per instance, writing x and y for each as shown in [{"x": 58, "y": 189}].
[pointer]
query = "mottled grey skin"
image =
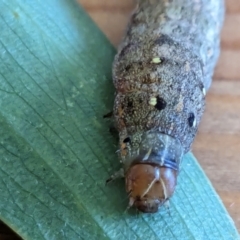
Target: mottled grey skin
[{"x": 184, "y": 34}]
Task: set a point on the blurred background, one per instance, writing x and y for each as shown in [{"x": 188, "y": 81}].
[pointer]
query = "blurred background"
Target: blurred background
[{"x": 217, "y": 146}]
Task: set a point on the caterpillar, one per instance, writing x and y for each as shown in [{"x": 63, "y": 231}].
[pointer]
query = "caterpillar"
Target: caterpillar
[{"x": 161, "y": 73}]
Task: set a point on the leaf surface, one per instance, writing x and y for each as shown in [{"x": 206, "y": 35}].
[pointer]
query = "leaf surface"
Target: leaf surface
[{"x": 56, "y": 150}]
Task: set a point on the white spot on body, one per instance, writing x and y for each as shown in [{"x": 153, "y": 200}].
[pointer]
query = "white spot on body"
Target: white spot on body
[
  {"x": 194, "y": 122},
  {"x": 187, "y": 66},
  {"x": 153, "y": 101},
  {"x": 147, "y": 155},
  {"x": 204, "y": 91},
  {"x": 156, "y": 60}
]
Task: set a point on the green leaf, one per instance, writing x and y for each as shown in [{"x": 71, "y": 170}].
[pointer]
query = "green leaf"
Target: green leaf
[{"x": 56, "y": 150}]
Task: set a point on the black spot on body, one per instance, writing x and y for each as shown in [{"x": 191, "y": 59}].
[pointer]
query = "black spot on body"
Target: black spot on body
[
  {"x": 164, "y": 39},
  {"x": 130, "y": 104},
  {"x": 127, "y": 139},
  {"x": 140, "y": 65},
  {"x": 163, "y": 60},
  {"x": 127, "y": 68},
  {"x": 161, "y": 103},
  {"x": 191, "y": 119},
  {"x": 179, "y": 89}
]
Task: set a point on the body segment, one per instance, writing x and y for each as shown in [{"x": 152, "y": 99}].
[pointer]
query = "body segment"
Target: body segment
[{"x": 161, "y": 73}]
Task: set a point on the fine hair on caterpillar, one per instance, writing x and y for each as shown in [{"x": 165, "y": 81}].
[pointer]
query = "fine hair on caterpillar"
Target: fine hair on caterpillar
[{"x": 161, "y": 73}]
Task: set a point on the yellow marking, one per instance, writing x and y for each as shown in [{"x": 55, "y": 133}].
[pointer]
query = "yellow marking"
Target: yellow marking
[
  {"x": 153, "y": 101},
  {"x": 164, "y": 188},
  {"x": 156, "y": 60}
]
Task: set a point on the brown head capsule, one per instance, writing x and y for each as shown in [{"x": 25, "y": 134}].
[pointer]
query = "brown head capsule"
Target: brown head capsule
[
  {"x": 151, "y": 176},
  {"x": 149, "y": 186}
]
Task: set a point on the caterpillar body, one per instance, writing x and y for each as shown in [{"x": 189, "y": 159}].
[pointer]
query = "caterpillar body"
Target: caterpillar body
[{"x": 161, "y": 73}]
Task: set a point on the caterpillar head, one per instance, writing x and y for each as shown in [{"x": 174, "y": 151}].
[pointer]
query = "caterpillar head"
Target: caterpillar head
[
  {"x": 149, "y": 186},
  {"x": 151, "y": 175}
]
